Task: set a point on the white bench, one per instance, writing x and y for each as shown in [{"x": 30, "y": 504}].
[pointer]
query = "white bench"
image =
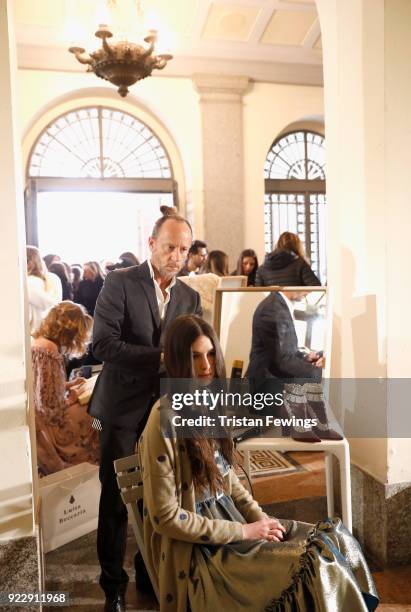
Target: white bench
[{"x": 338, "y": 448}]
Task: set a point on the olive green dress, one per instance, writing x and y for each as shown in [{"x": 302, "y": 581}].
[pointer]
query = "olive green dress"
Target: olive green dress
[{"x": 195, "y": 547}]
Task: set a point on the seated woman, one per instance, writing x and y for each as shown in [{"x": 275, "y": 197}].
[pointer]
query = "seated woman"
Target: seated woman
[
  {"x": 209, "y": 543},
  {"x": 247, "y": 265},
  {"x": 43, "y": 287},
  {"x": 63, "y": 427},
  {"x": 217, "y": 263}
]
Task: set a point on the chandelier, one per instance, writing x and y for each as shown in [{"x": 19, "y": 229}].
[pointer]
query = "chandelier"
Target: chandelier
[{"x": 122, "y": 63}]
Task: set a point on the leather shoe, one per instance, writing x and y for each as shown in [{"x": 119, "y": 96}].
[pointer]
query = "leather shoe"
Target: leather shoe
[{"x": 116, "y": 603}]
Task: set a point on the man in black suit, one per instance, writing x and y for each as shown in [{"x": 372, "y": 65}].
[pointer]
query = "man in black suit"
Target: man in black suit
[
  {"x": 133, "y": 311},
  {"x": 275, "y": 356},
  {"x": 274, "y": 350}
]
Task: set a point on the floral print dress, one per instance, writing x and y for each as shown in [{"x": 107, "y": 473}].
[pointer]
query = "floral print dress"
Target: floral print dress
[{"x": 63, "y": 432}]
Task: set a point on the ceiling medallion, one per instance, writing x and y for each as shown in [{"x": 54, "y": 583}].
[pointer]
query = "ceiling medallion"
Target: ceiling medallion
[{"x": 123, "y": 63}]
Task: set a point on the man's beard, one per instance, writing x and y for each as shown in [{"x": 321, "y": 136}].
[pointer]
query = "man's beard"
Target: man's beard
[{"x": 168, "y": 274}]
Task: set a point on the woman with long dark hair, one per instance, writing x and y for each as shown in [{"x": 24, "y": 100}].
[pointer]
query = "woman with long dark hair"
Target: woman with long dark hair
[
  {"x": 89, "y": 288},
  {"x": 217, "y": 263},
  {"x": 211, "y": 546},
  {"x": 247, "y": 265},
  {"x": 59, "y": 269}
]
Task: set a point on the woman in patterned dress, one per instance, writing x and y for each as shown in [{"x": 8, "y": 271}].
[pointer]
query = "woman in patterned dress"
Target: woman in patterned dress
[{"x": 63, "y": 427}]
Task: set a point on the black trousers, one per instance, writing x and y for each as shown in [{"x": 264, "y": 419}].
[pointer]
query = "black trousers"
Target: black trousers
[{"x": 115, "y": 443}]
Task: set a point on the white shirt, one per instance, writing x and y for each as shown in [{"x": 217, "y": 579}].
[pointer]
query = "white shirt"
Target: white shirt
[
  {"x": 289, "y": 303},
  {"x": 42, "y": 295},
  {"x": 162, "y": 301}
]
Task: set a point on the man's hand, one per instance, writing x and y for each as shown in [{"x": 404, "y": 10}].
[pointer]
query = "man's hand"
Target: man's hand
[
  {"x": 265, "y": 529},
  {"x": 320, "y": 363},
  {"x": 317, "y": 359}
]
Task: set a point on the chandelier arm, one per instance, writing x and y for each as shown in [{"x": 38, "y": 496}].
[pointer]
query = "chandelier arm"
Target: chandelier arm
[
  {"x": 149, "y": 50},
  {"x": 107, "y": 48},
  {"x": 83, "y": 59}
]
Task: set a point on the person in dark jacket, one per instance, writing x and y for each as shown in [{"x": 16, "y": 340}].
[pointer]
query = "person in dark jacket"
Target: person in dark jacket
[
  {"x": 90, "y": 287},
  {"x": 134, "y": 311},
  {"x": 287, "y": 265},
  {"x": 277, "y": 363},
  {"x": 60, "y": 270},
  {"x": 126, "y": 260}
]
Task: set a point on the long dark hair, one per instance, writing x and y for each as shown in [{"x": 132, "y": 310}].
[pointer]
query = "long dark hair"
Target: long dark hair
[
  {"x": 178, "y": 359},
  {"x": 217, "y": 263},
  {"x": 60, "y": 270},
  {"x": 239, "y": 269}
]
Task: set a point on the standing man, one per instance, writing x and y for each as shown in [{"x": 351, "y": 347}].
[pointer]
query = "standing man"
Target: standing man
[
  {"x": 197, "y": 256},
  {"x": 133, "y": 311}
]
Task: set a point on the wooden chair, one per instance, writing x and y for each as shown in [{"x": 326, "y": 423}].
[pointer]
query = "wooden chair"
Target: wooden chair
[{"x": 131, "y": 487}]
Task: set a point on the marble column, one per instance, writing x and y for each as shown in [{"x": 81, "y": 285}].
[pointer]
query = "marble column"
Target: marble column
[
  {"x": 19, "y": 544},
  {"x": 367, "y": 91},
  {"x": 221, "y": 101}
]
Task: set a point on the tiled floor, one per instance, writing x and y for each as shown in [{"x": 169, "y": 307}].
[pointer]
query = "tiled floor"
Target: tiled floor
[{"x": 301, "y": 495}]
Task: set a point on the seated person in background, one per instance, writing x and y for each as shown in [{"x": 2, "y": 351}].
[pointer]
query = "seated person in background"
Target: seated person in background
[
  {"x": 217, "y": 263},
  {"x": 43, "y": 287},
  {"x": 60, "y": 270},
  {"x": 247, "y": 265},
  {"x": 287, "y": 265},
  {"x": 275, "y": 356},
  {"x": 63, "y": 427},
  {"x": 76, "y": 275},
  {"x": 209, "y": 543},
  {"x": 89, "y": 288},
  {"x": 51, "y": 258},
  {"x": 197, "y": 256},
  {"x": 126, "y": 260}
]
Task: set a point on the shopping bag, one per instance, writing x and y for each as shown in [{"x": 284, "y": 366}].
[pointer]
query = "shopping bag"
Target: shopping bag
[{"x": 69, "y": 504}]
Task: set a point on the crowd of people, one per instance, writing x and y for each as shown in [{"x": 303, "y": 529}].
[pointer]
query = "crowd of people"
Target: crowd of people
[
  {"x": 208, "y": 542},
  {"x": 51, "y": 280}
]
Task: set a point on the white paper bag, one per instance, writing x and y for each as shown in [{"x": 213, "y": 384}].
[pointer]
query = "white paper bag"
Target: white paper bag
[{"x": 69, "y": 504}]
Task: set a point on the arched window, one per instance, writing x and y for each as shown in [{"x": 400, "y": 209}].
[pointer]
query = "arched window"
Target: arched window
[
  {"x": 99, "y": 175},
  {"x": 99, "y": 143},
  {"x": 295, "y": 201}
]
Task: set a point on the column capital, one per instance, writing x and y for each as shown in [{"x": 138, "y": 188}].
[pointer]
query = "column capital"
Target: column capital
[{"x": 220, "y": 87}]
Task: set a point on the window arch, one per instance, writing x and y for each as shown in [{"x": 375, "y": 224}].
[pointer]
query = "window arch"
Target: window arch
[
  {"x": 104, "y": 166},
  {"x": 99, "y": 142},
  {"x": 295, "y": 201}
]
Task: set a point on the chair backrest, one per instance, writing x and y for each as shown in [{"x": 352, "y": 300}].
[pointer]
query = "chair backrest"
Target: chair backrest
[
  {"x": 232, "y": 282},
  {"x": 205, "y": 285},
  {"x": 130, "y": 484}
]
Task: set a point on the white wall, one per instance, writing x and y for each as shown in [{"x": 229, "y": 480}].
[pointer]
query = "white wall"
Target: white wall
[
  {"x": 268, "y": 109},
  {"x": 17, "y": 491},
  {"x": 368, "y": 127}
]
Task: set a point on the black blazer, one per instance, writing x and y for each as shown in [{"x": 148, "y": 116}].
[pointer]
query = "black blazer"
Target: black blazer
[
  {"x": 128, "y": 336},
  {"x": 274, "y": 348}
]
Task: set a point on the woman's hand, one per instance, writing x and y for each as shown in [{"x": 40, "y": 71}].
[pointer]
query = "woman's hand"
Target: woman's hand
[
  {"x": 265, "y": 529},
  {"x": 75, "y": 382},
  {"x": 72, "y": 396}
]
